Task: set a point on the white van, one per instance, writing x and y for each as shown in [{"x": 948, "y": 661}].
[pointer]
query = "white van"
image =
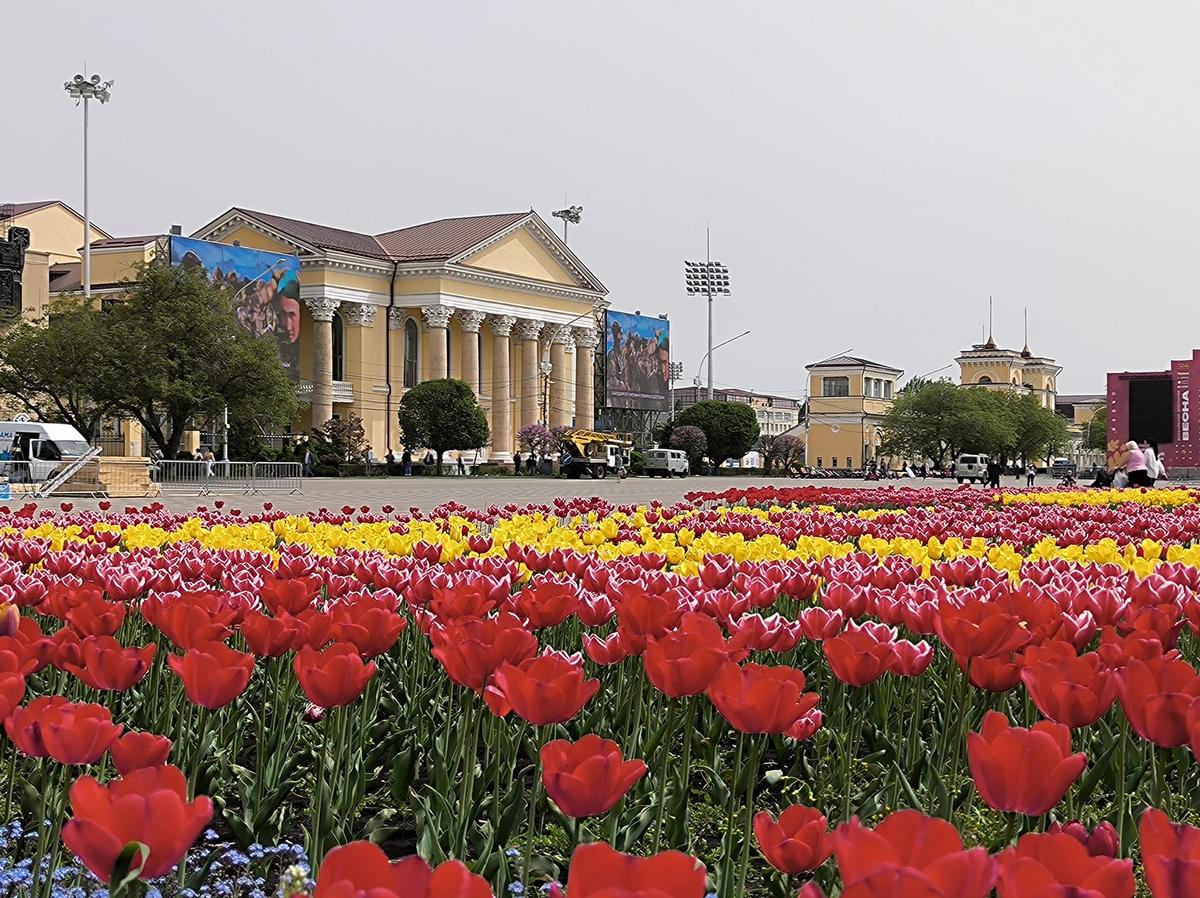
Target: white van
[
  {"x": 971, "y": 467},
  {"x": 41, "y": 444},
  {"x": 666, "y": 462}
]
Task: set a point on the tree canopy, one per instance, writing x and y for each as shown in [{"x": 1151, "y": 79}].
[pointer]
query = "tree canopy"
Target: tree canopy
[
  {"x": 442, "y": 415},
  {"x": 690, "y": 439},
  {"x": 168, "y": 351},
  {"x": 1096, "y": 433},
  {"x": 938, "y": 420},
  {"x": 731, "y": 428},
  {"x": 784, "y": 450}
]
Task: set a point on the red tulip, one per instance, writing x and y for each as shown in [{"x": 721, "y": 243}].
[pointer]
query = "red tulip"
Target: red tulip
[
  {"x": 135, "y": 750},
  {"x": 269, "y": 637},
  {"x": 979, "y": 629},
  {"x": 759, "y": 699},
  {"x": 1069, "y": 689},
  {"x": 641, "y": 614},
  {"x": 75, "y": 732},
  {"x": 861, "y": 654},
  {"x": 1170, "y": 856},
  {"x": 362, "y": 870},
  {"x": 190, "y": 620},
  {"x": 148, "y": 806},
  {"x": 369, "y": 624},
  {"x": 612, "y": 649},
  {"x": 12, "y": 690},
  {"x": 598, "y": 871},
  {"x": 909, "y": 855},
  {"x": 23, "y": 725},
  {"x": 805, "y": 727},
  {"x": 95, "y": 617},
  {"x": 471, "y": 650},
  {"x": 288, "y": 596},
  {"x": 685, "y": 660},
  {"x": 551, "y": 688},
  {"x": 1022, "y": 770},
  {"x": 1052, "y": 865},
  {"x": 1156, "y": 695},
  {"x": 213, "y": 674},
  {"x": 911, "y": 659},
  {"x": 333, "y": 677},
  {"x": 998, "y": 674},
  {"x": 107, "y": 665},
  {"x": 1100, "y": 842},
  {"x": 587, "y": 778},
  {"x": 800, "y": 840},
  {"x": 547, "y": 603}
]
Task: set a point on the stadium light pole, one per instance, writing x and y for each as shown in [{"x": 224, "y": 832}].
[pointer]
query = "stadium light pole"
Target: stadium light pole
[
  {"x": 708, "y": 356},
  {"x": 569, "y": 215},
  {"x": 84, "y": 89},
  {"x": 707, "y": 278}
]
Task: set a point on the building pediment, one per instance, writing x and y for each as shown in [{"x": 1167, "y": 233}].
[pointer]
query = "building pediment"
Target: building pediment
[{"x": 530, "y": 250}]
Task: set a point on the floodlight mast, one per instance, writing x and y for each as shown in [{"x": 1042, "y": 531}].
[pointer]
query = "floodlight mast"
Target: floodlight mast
[
  {"x": 82, "y": 89},
  {"x": 707, "y": 278}
]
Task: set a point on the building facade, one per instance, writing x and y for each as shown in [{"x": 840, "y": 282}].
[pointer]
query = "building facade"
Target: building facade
[
  {"x": 848, "y": 398},
  {"x": 498, "y": 301},
  {"x": 1157, "y": 405},
  {"x": 1079, "y": 409},
  {"x": 775, "y": 414},
  {"x": 1009, "y": 371}
]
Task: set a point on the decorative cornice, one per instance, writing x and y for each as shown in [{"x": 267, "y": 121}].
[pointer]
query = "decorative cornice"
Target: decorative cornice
[
  {"x": 358, "y": 314},
  {"x": 502, "y": 325},
  {"x": 471, "y": 321},
  {"x": 321, "y": 308},
  {"x": 528, "y": 329},
  {"x": 437, "y": 316},
  {"x": 587, "y": 337},
  {"x": 344, "y": 294}
]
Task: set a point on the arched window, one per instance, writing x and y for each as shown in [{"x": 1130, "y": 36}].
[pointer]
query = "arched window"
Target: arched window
[
  {"x": 339, "y": 348},
  {"x": 411, "y": 336},
  {"x": 984, "y": 379}
]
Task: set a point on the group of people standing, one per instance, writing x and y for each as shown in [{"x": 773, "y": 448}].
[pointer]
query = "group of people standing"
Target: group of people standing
[{"x": 1134, "y": 464}]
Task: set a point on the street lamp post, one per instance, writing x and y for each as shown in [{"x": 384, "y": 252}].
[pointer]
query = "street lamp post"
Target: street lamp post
[
  {"x": 84, "y": 89},
  {"x": 707, "y": 278},
  {"x": 708, "y": 355},
  {"x": 676, "y": 372},
  {"x": 546, "y": 369},
  {"x": 569, "y": 215}
]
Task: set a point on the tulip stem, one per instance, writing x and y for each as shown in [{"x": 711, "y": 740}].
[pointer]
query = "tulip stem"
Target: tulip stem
[
  {"x": 751, "y": 781},
  {"x": 527, "y": 853},
  {"x": 466, "y": 802},
  {"x": 1119, "y": 791},
  {"x": 672, "y": 725},
  {"x": 731, "y": 815}
]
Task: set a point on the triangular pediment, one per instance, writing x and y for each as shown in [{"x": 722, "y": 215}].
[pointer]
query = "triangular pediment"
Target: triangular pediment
[{"x": 530, "y": 250}]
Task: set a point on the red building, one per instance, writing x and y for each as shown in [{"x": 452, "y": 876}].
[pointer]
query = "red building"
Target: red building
[{"x": 1156, "y": 405}]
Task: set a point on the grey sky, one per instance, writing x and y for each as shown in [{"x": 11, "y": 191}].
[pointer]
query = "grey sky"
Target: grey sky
[{"x": 872, "y": 170}]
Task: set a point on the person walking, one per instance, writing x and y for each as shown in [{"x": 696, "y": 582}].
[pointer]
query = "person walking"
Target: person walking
[
  {"x": 517, "y": 463},
  {"x": 1030, "y": 474},
  {"x": 462, "y": 468},
  {"x": 308, "y": 462},
  {"x": 406, "y": 462}
]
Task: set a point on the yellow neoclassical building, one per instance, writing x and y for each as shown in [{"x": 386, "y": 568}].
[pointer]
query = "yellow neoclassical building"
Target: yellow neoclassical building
[
  {"x": 1008, "y": 370},
  {"x": 498, "y": 301},
  {"x": 848, "y": 398}
]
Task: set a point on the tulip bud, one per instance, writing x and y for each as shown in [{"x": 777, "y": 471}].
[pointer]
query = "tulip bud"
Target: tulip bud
[
  {"x": 313, "y": 714},
  {"x": 10, "y": 619}
]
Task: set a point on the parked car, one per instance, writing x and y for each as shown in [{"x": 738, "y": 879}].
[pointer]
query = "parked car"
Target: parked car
[
  {"x": 971, "y": 467},
  {"x": 666, "y": 463}
]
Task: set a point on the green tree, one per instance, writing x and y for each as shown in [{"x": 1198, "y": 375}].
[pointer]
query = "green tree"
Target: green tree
[
  {"x": 442, "y": 415},
  {"x": 347, "y": 439},
  {"x": 174, "y": 352},
  {"x": 731, "y": 428},
  {"x": 938, "y": 420},
  {"x": 51, "y": 366},
  {"x": 690, "y": 439},
  {"x": 1096, "y": 432},
  {"x": 1038, "y": 432}
]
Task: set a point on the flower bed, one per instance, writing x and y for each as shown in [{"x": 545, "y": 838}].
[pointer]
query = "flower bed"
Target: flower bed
[{"x": 894, "y": 692}]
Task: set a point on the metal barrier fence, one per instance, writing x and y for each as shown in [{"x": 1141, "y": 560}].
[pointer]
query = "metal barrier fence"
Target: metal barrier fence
[
  {"x": 202, "y": 478},
  {"x": 277, "y": 477}
]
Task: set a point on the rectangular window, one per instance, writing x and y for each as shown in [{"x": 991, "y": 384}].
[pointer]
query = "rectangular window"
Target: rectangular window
[
  {"x": 835, "y": 386},
  {"x": 820, "y": 462},
  {"x": 887, "y": 389},
  {"x": 833, "y": 461}
]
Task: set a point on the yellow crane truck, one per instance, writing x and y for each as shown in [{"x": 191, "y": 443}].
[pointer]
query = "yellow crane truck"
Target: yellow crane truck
[{"x": 593, "y": 453}]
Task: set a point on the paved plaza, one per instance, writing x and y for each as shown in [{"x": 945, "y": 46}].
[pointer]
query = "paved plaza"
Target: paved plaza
[{"x": 427, "y": 493}]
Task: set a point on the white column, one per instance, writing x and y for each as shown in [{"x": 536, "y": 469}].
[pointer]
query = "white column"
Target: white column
[
  {"x": 322, "y": 309},
  {"x": 471, "y": 322},
  {"x": 561, "y": 343},
  {"x": 586, "y": 341},
  {"x": 529, "y": 387},
  {"x": 502, "y": 434},
  {"x": 437, "y": 319}
]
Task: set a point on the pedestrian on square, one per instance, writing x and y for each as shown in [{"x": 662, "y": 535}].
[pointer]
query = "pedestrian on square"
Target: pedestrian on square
[
  {"x": 1135, "y": 465},
  {"x": 308, "y": 462},
  {"x": 462, "y": 468},
  {"x": 517, "y": 463},
  {"x": 406, "y": 461},
  {"x": 1030, "y": 473},
  {"x": 1150, "y": 451}
]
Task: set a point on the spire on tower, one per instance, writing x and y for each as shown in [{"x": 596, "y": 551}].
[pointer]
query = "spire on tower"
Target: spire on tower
[
  {"x": 990, "y": 344},
  {"x": 1025, "y": 353}
]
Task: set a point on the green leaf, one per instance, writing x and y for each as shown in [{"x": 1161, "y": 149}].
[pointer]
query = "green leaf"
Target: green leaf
[
  {"x": 130, "y": 863},
  {"x": 1096, "y": 772}
]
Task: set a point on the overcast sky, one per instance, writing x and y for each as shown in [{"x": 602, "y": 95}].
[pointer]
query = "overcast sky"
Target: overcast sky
[{"x": 872, "y": 171}]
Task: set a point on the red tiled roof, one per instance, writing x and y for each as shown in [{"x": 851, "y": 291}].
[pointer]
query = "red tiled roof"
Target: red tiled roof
[
  {"x": 321, "y": 236},
  {"x": 446, "y": 238},
  {"x": 22, "y": 208}
]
